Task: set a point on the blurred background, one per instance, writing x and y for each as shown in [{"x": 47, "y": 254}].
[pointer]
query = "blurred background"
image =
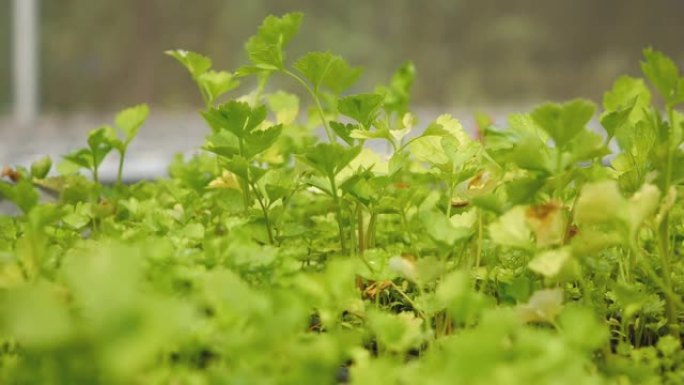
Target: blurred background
[{"x": 96, "y": 57}]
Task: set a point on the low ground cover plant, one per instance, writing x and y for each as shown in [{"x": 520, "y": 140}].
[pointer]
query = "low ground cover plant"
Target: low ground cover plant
[{"x": 542, "y": 252}]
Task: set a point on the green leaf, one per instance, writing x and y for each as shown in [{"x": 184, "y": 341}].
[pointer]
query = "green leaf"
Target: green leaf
[
  {"x": 327, "y": 70},
  {"x": 429, "y": 149},
  {"x": 637, "y": 140},
  {"x": 669, "y": 346},
  {"x": 625, "y": 104},
  {"x": 444, "y": 143},
  {"x": 455, "y": 292},
  {"x": 398, "y": 93},
  {"x": 223, "y": 143},
  {"x": 330, "y": 158},
  {"x": 100, "y": 142},
  {"x": 663, "y": 73},
  {"x": 543, "y": 306},
  {"x": 447, "y": 123},
  {"x": 363, "y": 108},
  {"x": 523, "y": 144},
  {"x": 548, "y": 222},
  {"x": 244, "y": 124},
  {"x": 511, "y": 229},
  {"x": 195, "y": 63},
  {"x": 396, "y": 332},
  {"x": 131, "y": 119},
  {"x": 599, "y": 202},
  {"x": 259, "y": 141},
  {"x": 278, "y": 183},
  {"x": 81, "y": 157},
  {"x": 628, "y": 92},
  {"x": 564, "y": 121},
  {"x": 79, "y": 217},
  {"x": 265, "y": 49},
  {"x": 585, "y": 146},
  {"x": 460, "y": 153},
  {"x": 236, "y": 117},
  {"x": 630, "y": 298},
  {"x": 22, "y": 194},
  {"x": 36, "y": 317},
  {"x": 398, "y": 162},
  {"x": 551, "y": 262},
  {"x": 643, "y": 205},
  {"x": 41, "y": 167},
  {"x": 214, "y": 84},
  {"x": 613, "y": 121},
  {"x": 532, "y": 154},
  {"x": 242, "y": 168},
  {"x": 360, "y": 187},
  {"x": 523, "y": 189},
  {"x": 582, "y": 330},
  {"x": 344, "y": 131},
  {"x": 369, "y": 161},
  {"x": 285, "y": 106},
  {"x": 194, "y": 231},
  {"x": 442, "y": 230},
  {"x": 359, "y": 133}
]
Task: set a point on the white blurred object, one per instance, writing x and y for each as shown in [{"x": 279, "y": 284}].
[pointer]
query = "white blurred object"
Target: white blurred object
[{"x": 25, "y": 55}]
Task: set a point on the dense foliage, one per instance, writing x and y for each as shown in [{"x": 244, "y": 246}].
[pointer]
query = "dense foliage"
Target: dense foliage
[{"x": 542, "y": 252}]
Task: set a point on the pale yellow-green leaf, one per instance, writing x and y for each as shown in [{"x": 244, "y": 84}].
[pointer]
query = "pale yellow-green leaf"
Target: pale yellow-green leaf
[
  {"x": 643, "y": 204},
  {"x": 544, "y": 306},
  {"x": 285, "y": 106},
  {"x": 551, "y": 262},
  {"x": 511, "y": 229},
  {"x": 429, "y": 149},
  {"x": 408, "y": 120},
  {"x": 599, "y": 203},
  {"x": 403, "y": 267},
  {"x": 548, "y": 223},
  {"x": 454, "y": 127},
  {"x": 466, "y": 219},
  {"x": 366, "y": 159}
]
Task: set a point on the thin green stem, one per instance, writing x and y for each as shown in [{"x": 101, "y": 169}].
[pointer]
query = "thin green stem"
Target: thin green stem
[
  {"x": 350, "y": 213},
  {"x": 664, "y": 231},
  {"x": 245, "y": 195},
  {"x": 360, "y": 230},
  {"x": 559, "y": 173},
  {"x": 245, "y": 181},
  {"x": 263, "y": 79},
  {"x": 449, "y": 198},
  {"x": 480, "y": 233},
  {"x": 568, "y": 223},
  {"x": 409, "y": 300},
  {"x": 204, "y": 93},
  {"x": 671, "y": 146},
  {"x": 370, "y": 232},
  {"x": 411, "y": 235},
  {"x": 264, "y": 209},
  {"x": 119, "y": 172},
  {"x": 338, "y": 208},
  {"x": 317, "y": 101}
]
